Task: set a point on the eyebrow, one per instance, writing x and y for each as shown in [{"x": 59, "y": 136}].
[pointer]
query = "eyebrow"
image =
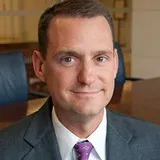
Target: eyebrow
[
  {"x": 68, "y": 52},
  {"x": 105, "y": 52},
  {"x": 77, "y": 54}
]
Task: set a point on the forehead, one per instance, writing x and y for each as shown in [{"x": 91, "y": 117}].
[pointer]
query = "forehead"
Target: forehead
[{"x": 80, "y": 31}]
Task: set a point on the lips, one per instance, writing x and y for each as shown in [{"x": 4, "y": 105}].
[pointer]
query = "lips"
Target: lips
[{"x": 85, "y": 94}]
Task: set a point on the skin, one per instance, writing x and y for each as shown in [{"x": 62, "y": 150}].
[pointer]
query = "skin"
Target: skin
[{"x": 79, "y": 69}]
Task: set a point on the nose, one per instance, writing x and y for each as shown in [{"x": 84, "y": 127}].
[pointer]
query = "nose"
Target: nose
[{"x": 86, "y": 75}]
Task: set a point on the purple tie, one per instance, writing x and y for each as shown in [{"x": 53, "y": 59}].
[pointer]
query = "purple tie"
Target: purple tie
[{"x": 83, "y": 149}]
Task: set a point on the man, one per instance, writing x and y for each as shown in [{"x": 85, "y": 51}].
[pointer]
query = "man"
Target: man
[{"x": 78, "y": 62}]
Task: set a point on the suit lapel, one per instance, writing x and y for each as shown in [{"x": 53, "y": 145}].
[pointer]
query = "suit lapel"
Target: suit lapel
[
  {"x": 119, "y": 136},
  {"x": 41, "y": 136}
]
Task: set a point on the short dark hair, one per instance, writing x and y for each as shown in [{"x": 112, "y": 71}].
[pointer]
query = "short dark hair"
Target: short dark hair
[{"x": 71, "y": 8}]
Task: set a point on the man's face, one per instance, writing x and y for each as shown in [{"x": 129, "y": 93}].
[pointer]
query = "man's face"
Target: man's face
[{"x": 80, "y": 64}]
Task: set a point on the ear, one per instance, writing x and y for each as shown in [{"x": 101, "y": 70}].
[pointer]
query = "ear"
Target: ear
[
  {"x": 38, "y": 65},
  {"x": 115, "y": 54}
]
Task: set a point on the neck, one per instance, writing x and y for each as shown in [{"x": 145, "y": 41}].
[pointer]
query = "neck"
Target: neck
[{"x": 79, "y": 125}]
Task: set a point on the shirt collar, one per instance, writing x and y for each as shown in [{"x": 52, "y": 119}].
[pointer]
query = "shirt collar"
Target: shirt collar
[
  {"x": 66, "y": 144},
  {"x": 98, "y": 137}
]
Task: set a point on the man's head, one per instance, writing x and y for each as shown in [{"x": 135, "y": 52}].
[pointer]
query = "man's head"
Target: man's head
[
  {"x": 70, "y": 8},
  {"x": 80, "y": 62}
]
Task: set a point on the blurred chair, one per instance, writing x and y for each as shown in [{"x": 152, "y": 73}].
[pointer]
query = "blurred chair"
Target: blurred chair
[
  {"x": 13, "y": 79},
  {"x": 121, "y": 74}
]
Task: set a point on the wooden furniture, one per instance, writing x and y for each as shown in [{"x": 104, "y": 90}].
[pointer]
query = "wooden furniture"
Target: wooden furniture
[{"x": 140, "y": 99}]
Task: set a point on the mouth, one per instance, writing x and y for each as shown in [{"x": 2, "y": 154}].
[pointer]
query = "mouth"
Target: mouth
[{"x": 86, "y": 93}]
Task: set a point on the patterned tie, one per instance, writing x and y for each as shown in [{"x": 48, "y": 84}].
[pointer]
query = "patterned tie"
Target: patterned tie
[{"x": 83, "y": 149}]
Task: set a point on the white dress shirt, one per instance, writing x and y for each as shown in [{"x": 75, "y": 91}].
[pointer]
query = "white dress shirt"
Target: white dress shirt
[{"x": 66, "y": 139}]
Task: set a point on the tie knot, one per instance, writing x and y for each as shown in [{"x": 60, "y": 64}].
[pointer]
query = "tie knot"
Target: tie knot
[{"x": 83, "y": 150}]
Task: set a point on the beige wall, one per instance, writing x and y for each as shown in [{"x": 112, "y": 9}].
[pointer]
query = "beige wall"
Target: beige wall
[
  {"x": 146, "y": 38},
  {"x": 10, "y": 28},
  {"x": 20, "y": 19},
  {"x": 24, "y": 28},
  {"x": 30, "y": 23},
  {"x": 125, "y": 24}
]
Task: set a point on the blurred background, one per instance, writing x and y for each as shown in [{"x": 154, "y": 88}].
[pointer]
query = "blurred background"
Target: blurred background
[
  {"x": 136, "y": 27},
  {"x": 137, "y": 33}
]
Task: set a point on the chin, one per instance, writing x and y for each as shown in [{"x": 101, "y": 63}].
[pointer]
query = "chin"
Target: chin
[{"x": 89, "y": 109}]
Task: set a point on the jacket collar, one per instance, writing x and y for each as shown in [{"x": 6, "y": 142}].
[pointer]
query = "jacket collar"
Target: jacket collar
[
  {"x": 119, "y": 132},
  {"x": 41, "y": 124},
  {"x": 118, "y": 123},
  {"x": 40, "y": 134},
  {"x": 119, "y": 136}
]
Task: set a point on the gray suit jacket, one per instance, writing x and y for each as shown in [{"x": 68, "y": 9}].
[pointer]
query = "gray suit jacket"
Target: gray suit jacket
[{"x": 33, "y": 138}]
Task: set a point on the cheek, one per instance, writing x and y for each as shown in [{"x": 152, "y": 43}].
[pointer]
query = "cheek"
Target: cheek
[
  {"x": 60, "y": 79},
  {"x": 107, "y": 75}
]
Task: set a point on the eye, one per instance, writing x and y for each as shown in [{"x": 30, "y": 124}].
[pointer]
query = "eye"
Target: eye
[
  {"x": 68, "y": 61},
  {"x": 101, "y": 59}
]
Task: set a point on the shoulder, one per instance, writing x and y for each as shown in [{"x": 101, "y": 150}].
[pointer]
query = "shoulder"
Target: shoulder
[
  {"x": 16, "y": 129},
  {"x": 133, "y": 122},
  {"x": 12, "y": 138},
  {"x": 19, "y": 128},
  {"x": 18, "y": 139},
  {"x": 144, "y": 132}
]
